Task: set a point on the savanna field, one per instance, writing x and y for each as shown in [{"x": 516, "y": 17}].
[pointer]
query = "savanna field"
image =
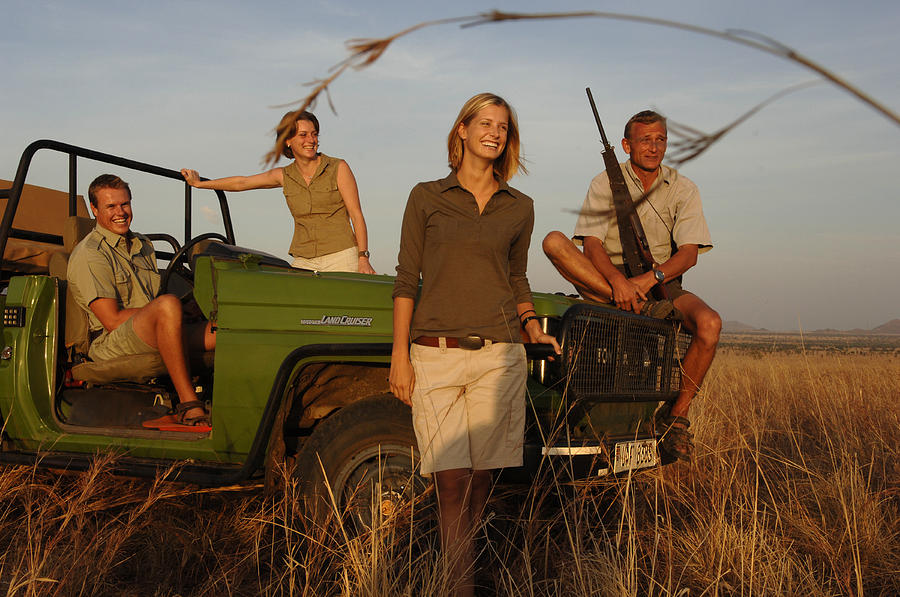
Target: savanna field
[{"x": 794, "y": 490}]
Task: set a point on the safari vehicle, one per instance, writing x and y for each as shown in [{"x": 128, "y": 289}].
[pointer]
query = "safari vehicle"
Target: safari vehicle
[{"x": 300, "y": 369}]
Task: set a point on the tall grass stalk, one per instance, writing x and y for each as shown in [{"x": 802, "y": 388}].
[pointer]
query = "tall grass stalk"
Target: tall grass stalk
[{"x": 794, "y": 489}]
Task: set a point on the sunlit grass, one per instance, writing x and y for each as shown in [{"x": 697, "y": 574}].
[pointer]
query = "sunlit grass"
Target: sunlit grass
[{"x": 794, "y": 490}]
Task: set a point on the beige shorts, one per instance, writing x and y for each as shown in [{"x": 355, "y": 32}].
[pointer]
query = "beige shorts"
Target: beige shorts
[
  {"x": 469, "y": 406},
  {"x": 673, "y": 287},
  {"x": 340, "y": 261},
  {"x": 121, "y": 342}
]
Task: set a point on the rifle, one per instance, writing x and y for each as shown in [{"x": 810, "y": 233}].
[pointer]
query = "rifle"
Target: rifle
[{"x": 635, "y": 248}]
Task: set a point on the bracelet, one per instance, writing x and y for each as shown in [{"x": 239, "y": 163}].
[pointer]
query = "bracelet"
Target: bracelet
[
  {"x": 529, "y": 318},
  {"x": 528, "y": 311}
]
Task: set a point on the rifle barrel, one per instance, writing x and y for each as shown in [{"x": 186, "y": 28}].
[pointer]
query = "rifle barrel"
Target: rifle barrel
[{"x": 597, "y": 118}]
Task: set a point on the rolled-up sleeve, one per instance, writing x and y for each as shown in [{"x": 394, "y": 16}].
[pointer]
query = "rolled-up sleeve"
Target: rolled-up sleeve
[
  {"x": 412, "y": 241},
  {"x": 690, "y": 223},
  {"x": 91, "y": 275},
  {"x": 594, "y": 217},
  {"x": 518, "y": 259}
]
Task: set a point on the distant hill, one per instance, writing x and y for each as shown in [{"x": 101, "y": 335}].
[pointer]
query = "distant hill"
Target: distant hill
[
  {"x": 738, "y": 327},
  {"x": 891, "y": 327}
]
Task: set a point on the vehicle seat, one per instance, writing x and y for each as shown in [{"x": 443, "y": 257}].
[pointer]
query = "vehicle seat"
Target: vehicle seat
[
  {"x": 75, "y": 228},
  {"x": 136, "y": 368},
  {"x": 39, "y": 210}
]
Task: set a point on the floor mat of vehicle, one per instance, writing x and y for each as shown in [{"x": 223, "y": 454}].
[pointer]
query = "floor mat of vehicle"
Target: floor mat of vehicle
[{"x": 112, "y": 407}]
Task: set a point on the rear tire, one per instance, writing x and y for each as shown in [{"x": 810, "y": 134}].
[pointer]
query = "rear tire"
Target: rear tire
[{"x": 361, "y": 463}]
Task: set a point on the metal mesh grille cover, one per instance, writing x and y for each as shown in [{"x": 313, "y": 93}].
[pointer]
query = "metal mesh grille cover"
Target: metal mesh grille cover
[{"x": 614, "y": 355}]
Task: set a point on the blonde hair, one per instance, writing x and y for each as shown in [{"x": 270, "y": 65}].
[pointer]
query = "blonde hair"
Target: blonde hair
[
  {"x": 285, "y": 131},
  {"x": 509, "y": 162}
]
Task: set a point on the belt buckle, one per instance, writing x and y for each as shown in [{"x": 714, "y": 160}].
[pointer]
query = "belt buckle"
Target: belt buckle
[{"x": 471, "y": 342}]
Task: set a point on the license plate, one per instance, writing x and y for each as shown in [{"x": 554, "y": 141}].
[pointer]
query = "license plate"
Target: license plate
[{"x": 629, "y": 456}]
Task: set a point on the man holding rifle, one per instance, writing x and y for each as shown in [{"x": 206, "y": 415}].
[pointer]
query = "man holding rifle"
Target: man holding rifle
[{"x": 674, "y": 233}]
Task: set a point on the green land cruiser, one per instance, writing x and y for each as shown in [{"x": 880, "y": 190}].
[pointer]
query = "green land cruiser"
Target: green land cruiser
[{"x": 300, "y": 369}]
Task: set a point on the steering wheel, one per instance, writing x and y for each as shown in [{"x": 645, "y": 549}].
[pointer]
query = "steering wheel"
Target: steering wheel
[{"x": 178, "y": 263}]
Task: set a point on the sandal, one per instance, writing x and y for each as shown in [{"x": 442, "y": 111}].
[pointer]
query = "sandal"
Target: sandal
[
  {"x": 198, "y": 420},
  {"x": 177, "y": 420},
  {"x": 676, "y": 440}
]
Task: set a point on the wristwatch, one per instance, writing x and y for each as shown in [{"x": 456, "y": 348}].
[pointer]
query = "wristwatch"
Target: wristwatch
[
  {"x": 363, "y": 253},
  {"x": 659, "y": 275}
]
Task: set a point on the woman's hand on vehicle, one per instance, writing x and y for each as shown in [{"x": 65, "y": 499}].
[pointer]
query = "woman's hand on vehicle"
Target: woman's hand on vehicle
[
  {"x": 543, "y": 338},
  {"x": 192, "y": 177},
  {"x": 537, "y": 335},
  {"x": 402, "y": 379},
  {"x": 365, "y": 267}
]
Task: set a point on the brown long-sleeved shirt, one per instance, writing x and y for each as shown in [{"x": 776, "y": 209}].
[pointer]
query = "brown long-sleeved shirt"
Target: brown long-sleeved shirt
[{"x": 472, "y": 265}]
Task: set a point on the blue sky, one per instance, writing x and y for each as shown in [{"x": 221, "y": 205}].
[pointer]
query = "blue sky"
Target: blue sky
[{"x": 801, "y": 200}]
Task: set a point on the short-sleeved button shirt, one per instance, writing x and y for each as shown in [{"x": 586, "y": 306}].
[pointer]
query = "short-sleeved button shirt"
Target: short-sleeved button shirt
[
  {"x": 672, "y": 212},
  {"x": 104, "y": 266}
]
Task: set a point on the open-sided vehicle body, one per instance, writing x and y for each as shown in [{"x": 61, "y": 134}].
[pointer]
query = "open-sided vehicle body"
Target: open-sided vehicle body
[{"x": 300, "y": 367}]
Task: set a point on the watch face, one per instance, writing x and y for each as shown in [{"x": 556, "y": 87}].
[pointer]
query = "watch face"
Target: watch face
[{"x": 660, "y": 276}]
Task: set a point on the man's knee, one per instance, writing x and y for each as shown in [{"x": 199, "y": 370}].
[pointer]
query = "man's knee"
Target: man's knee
[
  {"x": 709, "y": 326},
  {"x": 554, "y": 243},
  {"x": 167, "y": 308}
]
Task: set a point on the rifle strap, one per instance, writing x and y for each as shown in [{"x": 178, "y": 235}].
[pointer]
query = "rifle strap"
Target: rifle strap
[
  {"x": 624, "y": 207},
  {"x": 643, "y": 245}
]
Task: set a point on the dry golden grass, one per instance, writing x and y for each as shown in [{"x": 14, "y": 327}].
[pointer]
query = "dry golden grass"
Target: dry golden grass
[{"x": 794, "y": 490}]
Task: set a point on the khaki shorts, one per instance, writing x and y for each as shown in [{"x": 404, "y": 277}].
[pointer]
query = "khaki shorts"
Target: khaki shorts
[
  {"x": 340, "y": 261},
  {"x": 121, "y": 342},
  {"x": 469, "y": 406},
  {"x": 673, "y": 287}
]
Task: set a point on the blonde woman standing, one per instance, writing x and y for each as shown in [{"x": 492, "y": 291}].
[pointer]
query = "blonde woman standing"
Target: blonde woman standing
[
  {"x": 467, "y": 235},
  {"x": 321, "y": 193}
]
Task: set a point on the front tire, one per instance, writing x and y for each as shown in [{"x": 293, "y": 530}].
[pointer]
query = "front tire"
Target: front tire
[{"x": 362, "y": 462}]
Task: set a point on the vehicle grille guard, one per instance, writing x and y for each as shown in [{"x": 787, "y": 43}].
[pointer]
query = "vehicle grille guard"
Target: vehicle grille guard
[{"x": 617, "y": 356}]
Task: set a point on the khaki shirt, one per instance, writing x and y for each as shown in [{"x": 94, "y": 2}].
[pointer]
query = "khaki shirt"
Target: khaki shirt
[
  {"x": 321, "y": 221},
  {"x": 472, "y": 265},
  {"x": 672, "y": 212},
  {"x": 102, "y": 267}
]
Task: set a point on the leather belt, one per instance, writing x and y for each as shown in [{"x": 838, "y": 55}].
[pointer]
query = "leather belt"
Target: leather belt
[{"x": 467, "y": 343}]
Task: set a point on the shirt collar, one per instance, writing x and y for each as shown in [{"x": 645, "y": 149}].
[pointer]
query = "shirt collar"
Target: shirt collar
[
  {"x": 452, "y": 181},
  {"x": 665, "y": 175},
  {"x": 324, "y": 163},
  {"x": 114, "y": 239}
]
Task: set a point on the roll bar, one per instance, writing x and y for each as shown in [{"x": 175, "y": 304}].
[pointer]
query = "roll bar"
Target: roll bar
[{"x": 14, "y": 193}]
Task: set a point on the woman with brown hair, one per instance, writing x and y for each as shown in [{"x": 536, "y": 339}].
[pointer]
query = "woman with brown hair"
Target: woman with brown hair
[
  {"x": 464, "y": 375},
  {"x": 321, "y": 193}
]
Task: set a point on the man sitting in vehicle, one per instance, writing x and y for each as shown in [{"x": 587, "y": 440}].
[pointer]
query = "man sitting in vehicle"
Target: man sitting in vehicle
[{"x": 114, "y": 278}]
